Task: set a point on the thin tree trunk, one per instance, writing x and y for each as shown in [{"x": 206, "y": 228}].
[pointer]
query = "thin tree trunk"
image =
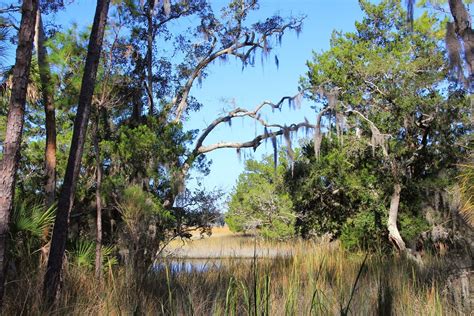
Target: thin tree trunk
[
  {"x": 49, "y": 110},
  {"x": 66, "y": 198},
  {"x": 98, "y": 200},
  {"x": 149, "y": 55},
  {"x": 15, "y": 120},
  {"x": 393, "y": 233},
  {"x": 136, "y": 112}
]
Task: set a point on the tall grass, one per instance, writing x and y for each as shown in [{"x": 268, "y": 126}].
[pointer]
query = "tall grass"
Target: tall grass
[{"x": 318, "y": 279}]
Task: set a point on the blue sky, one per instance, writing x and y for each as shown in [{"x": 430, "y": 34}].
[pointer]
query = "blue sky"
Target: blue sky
[
  {"x": 267, "y": 82},
  {"x": 228, "y": 86}
]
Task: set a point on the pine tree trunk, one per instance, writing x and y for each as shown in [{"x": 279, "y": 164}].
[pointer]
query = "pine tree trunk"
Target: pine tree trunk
[
  {"x": 49, "y": 110},
  {"x": 98, "y": 200},
  {"x": 15, "y": 120},
  {"x": 149, "y": 61},
  {"x": 66, "y": 198}
]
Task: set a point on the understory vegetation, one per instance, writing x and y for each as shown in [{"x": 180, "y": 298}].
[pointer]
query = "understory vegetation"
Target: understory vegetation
[{"x": 319, "y": 278}]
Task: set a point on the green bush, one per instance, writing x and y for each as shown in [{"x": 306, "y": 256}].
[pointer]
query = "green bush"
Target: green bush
[
  {"x": 363, "y": 231},
  {"x": 260, "y": 203},
  {"x": 145, "y": 224},
  {"x": 411, "y": 226}
]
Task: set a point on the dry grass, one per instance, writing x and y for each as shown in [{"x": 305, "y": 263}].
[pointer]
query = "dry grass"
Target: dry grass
[
  {"x": 225, "y": 244},
  {"x": 317, "y": 279}
]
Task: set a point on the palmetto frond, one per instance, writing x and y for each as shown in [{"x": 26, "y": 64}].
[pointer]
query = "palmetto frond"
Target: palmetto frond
[
  {"x": 83, "y": 253},
  {"x": 33, "y": 219},
  {"x": 108, "y": 257}
]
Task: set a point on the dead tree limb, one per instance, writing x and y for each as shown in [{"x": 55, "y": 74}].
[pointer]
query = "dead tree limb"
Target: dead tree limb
[{"x": 242, "y": 47}]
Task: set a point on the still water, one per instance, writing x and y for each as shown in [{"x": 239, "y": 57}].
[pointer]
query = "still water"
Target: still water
[{"x": 189, "y": 265}]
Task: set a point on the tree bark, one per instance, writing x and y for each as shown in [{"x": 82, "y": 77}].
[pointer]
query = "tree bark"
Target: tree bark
[
  {"x": 393, "y": 233},
  {"x": 66, "y": 198},
  {"x": 98, "y": 201},
  {"x": 462, "y": 21},
  {"x": 49, "y": 110},
  {"x": 149, "y": 55},
  {"x": 15, "y": 121}
]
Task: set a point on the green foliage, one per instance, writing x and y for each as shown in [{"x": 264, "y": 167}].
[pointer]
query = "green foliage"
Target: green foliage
[
  {"x": 30, "y": 229},
  {"x": 67, "y": 51},
  {"x": 83, "y": 255},
  {"x": 32, "y": 219},
  {"x": 328, "y": 191},
  {"x": 389, "y": 82},
  {"x": 466, "y": 187},
  {"x": 109, "y": 258},
  {"x": 279, "y": 228},
  {"x": 145, "y": 224},
  {"x": 412, "y": 226},
  {"x": 136, "y": 162},
  {"x": 235, "y": 223},
  {"x": 363, "y": 231},
  {"x": 136, "y": 205},
  {"x": 157, "y": 149},
  {"x": 259, "y": 201}
]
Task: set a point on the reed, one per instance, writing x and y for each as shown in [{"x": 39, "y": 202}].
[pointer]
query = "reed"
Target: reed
[{"x": 317, "y": 278}]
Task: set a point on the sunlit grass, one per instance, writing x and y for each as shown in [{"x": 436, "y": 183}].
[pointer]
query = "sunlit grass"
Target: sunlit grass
[
  {"x": 319, "y": 278},
  {"x": 225, "y": 244}
]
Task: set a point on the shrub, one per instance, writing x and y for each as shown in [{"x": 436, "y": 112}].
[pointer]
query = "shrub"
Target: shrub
[
  {"x": 144, "y": 227},
  {"x": 363, "y": 231}
]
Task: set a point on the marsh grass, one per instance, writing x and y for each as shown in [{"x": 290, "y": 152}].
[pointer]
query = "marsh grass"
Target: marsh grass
[
  {"x": 317, "y": 279},
  {"x": 225, "y": 244}
]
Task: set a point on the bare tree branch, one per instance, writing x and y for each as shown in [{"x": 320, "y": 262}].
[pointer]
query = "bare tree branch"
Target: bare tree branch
[
  {"x": 235, "y": 48},
  {"x": 200, "y": 149},
  {"x": 257, "y": 141},
  {"x": 10, "y": 9},
  {"x": 240, "y": 112},
  {"x": 378, "y": 139},
  {"x": 7, "y": 25}
]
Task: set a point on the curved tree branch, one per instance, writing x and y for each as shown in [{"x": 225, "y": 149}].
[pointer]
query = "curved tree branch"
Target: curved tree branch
[
  {"x": 235, "y": 48},
  {"x": 240, "y": 112},
  {"x": 257, "y": 141}
]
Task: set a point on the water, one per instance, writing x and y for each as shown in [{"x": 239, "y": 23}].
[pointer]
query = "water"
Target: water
[{"x": 188, "y": 265}]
